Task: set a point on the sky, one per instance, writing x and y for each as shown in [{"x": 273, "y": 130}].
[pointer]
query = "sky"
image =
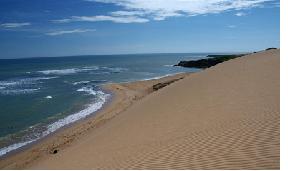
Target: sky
[{"x": 43, "y": 28}]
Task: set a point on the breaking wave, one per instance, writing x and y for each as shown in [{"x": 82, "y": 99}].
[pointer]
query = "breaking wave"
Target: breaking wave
[
  {"x": 100, "y": 99},
  {"x": 21, "y": 86},
  {"x": 70, "y": 71},
  {"x": 18, "y": 91}
]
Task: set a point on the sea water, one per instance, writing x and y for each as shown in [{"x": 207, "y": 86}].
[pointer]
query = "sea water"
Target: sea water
[{"x": 40, "y": 95}]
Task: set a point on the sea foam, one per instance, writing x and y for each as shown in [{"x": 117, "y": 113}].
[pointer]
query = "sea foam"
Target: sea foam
[
  {"x": 68, "y": 71},
  {"x": 18, "y": 91},
  {"x": 21, "y": 85},
  {"x": 88, "y": 90},
  {"x": 21, "y": 81},
  {"x": 81, "y": 82},
  {"x": 100, "y": 99},
  {"x": 12, "y": 147}
]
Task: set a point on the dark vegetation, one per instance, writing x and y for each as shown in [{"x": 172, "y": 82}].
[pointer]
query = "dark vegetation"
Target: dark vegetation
[
  {"x": 164, "y": 84},
  {"x": 210, "y": 61},
  {"x": 270, "y": 48}
]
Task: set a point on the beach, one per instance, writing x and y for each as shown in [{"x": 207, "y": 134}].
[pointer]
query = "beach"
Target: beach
[{"x": 224, "y": 117}]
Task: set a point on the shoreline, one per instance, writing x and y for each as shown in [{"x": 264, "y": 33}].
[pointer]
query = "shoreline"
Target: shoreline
[
  {"x": 223, "y": 117},
  {"x": 122, "y": 95},
  {"x": 29, "y": 144}
]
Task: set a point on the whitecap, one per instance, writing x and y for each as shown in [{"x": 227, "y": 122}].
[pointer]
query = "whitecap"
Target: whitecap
[
  {"x": 48, "y": 97},
  {"x": 101, "y": 99},
  {"x": 43, "y": 78},
  {"x": 60, "y": 72},
  {"x": 69, "y": 71},
  {"x": 88, "y": 90},
  {"x": 32, "y": 80},
  {"x": 99, "y": 102},
  {"x": 8, "y": 83},
  {"x": 168, "y": 65},
  {"x": 18, "y": 91},
  {"x": 91, "y": 81},
  {"x": 89, "y": 68},
  {"x": 115, "y": 69},
  {"x": 21, "y": 85},
  {"x": 81, "y": 82}
]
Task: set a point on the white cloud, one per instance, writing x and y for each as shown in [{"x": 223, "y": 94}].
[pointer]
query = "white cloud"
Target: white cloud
[
  {"x": 115, "y": 19},
  {"x": 14, "y": 25},
  {"x": 240, "y": 14},
  {"x": 57, "y": 33},
  {"x": 66, "y": 20},
  {"x": 142, "y": 11},
  {"x": 162, "y": 9},
  {"x": 231, "y": 26},
  {"x": 128, "y": 13}
]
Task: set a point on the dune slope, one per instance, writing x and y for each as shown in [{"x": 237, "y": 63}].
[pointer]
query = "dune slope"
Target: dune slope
[{"x": 225, "y": 117}]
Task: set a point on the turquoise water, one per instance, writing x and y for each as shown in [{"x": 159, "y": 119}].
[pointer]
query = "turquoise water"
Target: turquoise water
[{"x": 40, "y": 95}]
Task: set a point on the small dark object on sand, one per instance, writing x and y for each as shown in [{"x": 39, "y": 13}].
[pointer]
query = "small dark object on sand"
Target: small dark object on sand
[
  {"x": 54, "y": 151},
  {"x": 164, "y": 84}
]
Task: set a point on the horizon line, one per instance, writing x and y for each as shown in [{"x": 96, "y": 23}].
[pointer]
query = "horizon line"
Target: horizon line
[{"x": 141, "y": 53}]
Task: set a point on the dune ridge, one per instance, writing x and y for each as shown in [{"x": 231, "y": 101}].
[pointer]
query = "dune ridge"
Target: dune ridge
[{"x": 225, "y": 117}]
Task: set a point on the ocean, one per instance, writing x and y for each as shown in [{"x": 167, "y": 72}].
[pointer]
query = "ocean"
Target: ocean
[{"x": 40, "y": 95}]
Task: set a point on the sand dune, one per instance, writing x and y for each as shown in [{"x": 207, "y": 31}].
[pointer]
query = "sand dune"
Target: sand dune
[{"x": 225, "y": 117}]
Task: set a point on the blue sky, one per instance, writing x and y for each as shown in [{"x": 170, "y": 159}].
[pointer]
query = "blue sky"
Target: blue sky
[{"x": 36, "y": 28}]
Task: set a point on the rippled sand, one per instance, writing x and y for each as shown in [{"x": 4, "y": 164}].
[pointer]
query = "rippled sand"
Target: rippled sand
[{"x": 225, "y": 117}]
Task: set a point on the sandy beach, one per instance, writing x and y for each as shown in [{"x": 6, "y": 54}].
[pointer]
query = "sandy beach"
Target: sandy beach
[{"x": 224, "y": 117}]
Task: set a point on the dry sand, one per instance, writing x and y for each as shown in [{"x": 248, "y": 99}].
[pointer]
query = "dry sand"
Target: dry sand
[
  {"x": 225, "y": 117},
  {"x": 125, "y": 94}
]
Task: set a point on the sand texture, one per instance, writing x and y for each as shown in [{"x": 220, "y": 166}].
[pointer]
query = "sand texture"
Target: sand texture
[{"x": 225, "y": 117}]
